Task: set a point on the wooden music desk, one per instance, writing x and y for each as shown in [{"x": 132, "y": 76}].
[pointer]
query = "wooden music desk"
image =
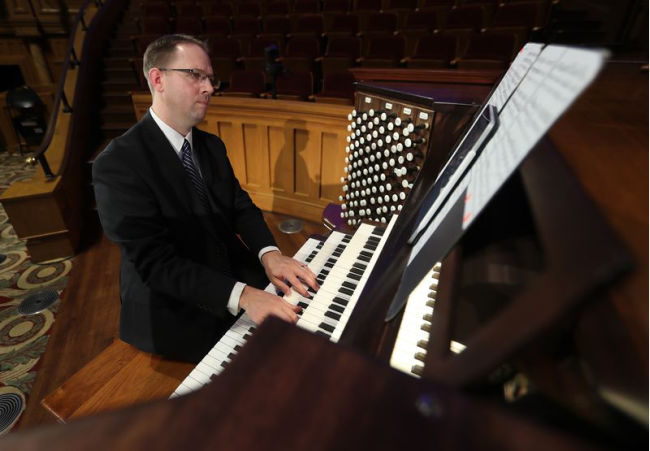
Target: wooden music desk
[{"x": 119, "y": 376}]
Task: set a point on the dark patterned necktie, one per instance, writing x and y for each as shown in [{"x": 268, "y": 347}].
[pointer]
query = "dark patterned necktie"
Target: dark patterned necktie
[{"x": 193, "y": 174}]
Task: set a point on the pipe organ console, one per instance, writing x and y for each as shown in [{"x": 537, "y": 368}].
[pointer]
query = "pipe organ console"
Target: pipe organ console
[
  {"x": 385, "y": 151},
  {"x": 471, "y": 319},
  {"x": 390, "y": 135}
]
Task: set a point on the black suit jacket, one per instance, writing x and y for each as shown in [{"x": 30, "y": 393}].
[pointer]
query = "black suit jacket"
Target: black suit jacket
[{"x": 179, "y": 262}]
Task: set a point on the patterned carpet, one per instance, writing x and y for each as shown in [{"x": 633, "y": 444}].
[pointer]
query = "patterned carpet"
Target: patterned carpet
[{"x": 23, "y": 338}]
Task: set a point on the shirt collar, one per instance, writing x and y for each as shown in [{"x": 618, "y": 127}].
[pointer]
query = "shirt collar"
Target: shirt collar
[{"x": 174, "y": 138}]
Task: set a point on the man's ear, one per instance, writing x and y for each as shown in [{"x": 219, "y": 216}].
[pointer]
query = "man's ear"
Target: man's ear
[{"x": 155, "y": 79}]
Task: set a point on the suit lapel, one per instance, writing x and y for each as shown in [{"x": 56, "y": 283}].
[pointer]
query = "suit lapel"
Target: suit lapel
[{"x": 170, "y": 165}]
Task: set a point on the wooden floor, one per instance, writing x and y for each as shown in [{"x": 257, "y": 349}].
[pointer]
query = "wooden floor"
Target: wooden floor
[{"x": 88, "y": 317}]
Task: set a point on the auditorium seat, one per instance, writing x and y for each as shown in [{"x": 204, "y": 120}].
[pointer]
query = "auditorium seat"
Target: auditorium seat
[
  {"x": 224, "y": 53},
  {"x": 363, "y": 9},
  {"x": 217, "y": 9},
  {"x": 338, "y": 87},
  {"x": 340, "y": 54},
  {"x": 214, "y": 25},
  {"x": 336, "y": 6},
  {"x": 341, "y": 25},
  {"x": 383, "y": 51},
  {"x": 295, "y": 86},
  {"x": 466, "y": 16},
  {"x": 463, "y": 21},
  {"x": 300, "y": 54},
  {"x": 306, "y": 7},
  {"x": 526, "y": 19},
  {"x": 401, "y": 8},
  {"x": 244, "y": 29},
  {"x": 276, "y": 27},
  {"x": 188, "y": 9},
  {"x": 278, "y": 8},
  {"x": 418, "y": 24},
  {"x": 255, "y": 59},
  {"x": 250, "y": 9},
  {"x": 155, "y": 25},
  {"x": 189, "y": 25},
  {"x": 432, "y": 52},
  {"x": 308, "y": 25},
  {"x": 489, "y": 50},
  {"x": 245, "y": 84}
]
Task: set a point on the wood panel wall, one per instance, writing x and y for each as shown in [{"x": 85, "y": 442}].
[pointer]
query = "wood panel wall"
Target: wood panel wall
[{"x": 288, "y": 155}]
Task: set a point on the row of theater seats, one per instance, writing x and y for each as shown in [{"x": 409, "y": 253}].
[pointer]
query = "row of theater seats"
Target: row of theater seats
[
  {"x": 486, "y": 50},
  {"x": 261, "y": 8},
  {"x": 157, "y": 18},
  {"x": 342, "y": 34}
]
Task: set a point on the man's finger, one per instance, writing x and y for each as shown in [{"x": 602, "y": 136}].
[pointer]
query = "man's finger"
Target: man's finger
[
  {"x": 310, "y": 279},
  {"x": 299, "y": 287},
  {"x": 281, "y": 285}
]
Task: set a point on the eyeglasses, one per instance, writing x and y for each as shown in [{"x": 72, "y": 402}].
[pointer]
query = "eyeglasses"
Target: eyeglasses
[{"x": 197, "y": 75}]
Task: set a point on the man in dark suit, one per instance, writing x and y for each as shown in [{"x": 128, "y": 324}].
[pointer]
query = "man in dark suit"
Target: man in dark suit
[{"x": 195, "y": 249}]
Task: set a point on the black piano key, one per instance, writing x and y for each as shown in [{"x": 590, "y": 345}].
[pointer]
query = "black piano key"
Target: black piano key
[
  {"x": 349, "y": 285},
  {"x": 365, "y": 253},
  {"x": 337, "y": 253},
  {"x": 346, "y": 291},
  {"x": 326, "y": 327},
  {"x": 251, "y": 329},
  {"x": 364, "y": 258},
  {"x": 420, "y": 356},
  {"x": 334, "y": 316},
  {"x": 224, "y": 364},
  {"x": 324, "y": 334},
  {"x": 302, "y": 305},
  {"x": 417, "y": 370},
  {"x": 356, "y": 271},
  {"x": 231, "y": 355},
  {"x": 246, "y": 337},
  {"x": 370, "y": 247},
  {"x": 339, "y": 300},
  {"x": 237, "y": 348},
  {"x": 336, "y": 308},
  {"x": 360, "y": 266},
  {"x": 329, "y": 263},
  {"x": 353, "y": 276}
]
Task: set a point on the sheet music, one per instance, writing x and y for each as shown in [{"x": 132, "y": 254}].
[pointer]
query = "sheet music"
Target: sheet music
[
  {"x": 553, "y": 82},
  {"x": 516, "y": 72},
  {"x": 555, "y": 79}
]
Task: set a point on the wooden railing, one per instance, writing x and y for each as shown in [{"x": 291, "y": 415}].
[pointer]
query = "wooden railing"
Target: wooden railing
[{"x": 61, "y": 99}]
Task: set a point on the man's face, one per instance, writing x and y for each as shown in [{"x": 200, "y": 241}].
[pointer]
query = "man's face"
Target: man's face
[{"x": 185, "y": 98}]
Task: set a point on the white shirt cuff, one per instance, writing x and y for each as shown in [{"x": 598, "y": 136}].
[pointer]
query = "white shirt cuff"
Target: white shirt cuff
[
  {"x": 265, "y": 250},
  {"x": 233, "y": 300}
]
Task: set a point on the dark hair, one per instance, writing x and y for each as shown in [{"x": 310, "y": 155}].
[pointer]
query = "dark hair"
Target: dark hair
[{"x": 160, "y": 50}]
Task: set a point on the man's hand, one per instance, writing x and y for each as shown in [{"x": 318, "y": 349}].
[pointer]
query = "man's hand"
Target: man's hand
[
  {"x": 281, "y": 269},
  {"x": 259, "y": 304}
]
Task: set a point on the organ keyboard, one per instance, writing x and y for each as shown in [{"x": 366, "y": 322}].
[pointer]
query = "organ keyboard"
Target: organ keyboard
[{"x": 342, "y": 264}]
